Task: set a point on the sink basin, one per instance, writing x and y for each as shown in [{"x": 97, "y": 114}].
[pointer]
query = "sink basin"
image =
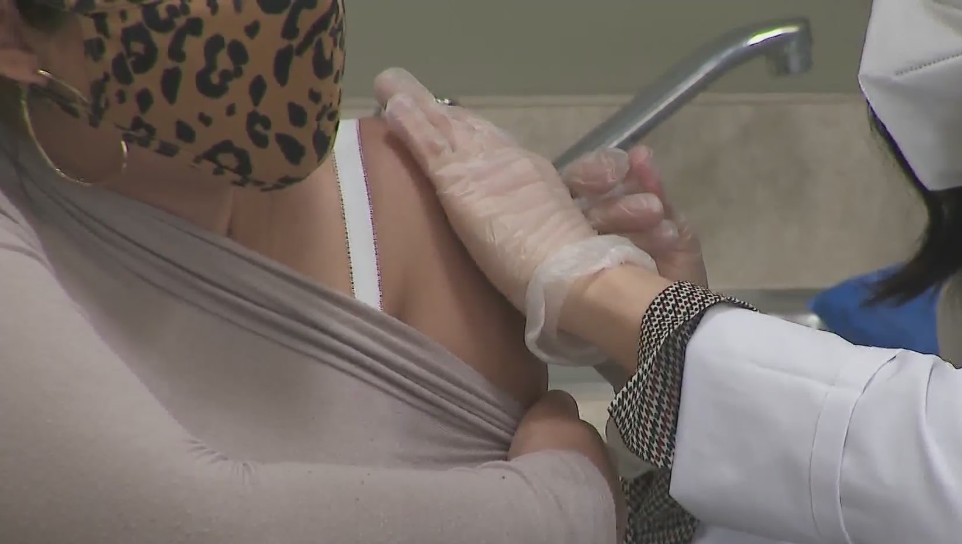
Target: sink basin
[{"x": 788, "y": 304}]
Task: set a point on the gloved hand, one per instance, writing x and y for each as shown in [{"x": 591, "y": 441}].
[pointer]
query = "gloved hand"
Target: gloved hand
[
  {"x": 510, "y": 209},
  {"x": 621, "y": 193}
]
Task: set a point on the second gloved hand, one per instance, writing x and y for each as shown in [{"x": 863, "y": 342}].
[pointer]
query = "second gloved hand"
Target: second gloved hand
[
  {"x": 621, "y": 193},
  {"x": 510, "y": 209}
]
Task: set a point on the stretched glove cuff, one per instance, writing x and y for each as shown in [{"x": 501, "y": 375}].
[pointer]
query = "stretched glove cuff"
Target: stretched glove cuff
[{"x": 550, "y": 285}]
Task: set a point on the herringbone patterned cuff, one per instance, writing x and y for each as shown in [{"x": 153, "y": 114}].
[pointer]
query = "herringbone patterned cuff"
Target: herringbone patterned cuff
[{"x": 646, "y": 411}]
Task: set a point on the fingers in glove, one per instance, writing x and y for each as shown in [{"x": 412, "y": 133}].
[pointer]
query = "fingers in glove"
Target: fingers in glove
[
  {"x": 398, "y": 81},
  {"x": 429, "y": 145},
  {"x": 596, "y": 173},
  {"x": 642, "y": 171},
  {"x": 637, "y": 212},
  {"x": 467, "y": 134},
  {"x": 648, "y": 179},
  {"x": 657, "y": 241},
  {"x": 395, "y": 82}
]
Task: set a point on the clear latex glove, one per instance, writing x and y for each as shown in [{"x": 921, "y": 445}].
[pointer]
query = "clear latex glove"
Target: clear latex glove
[
  {"x": 622, "y": 193},
  {"x": 510, "y": 209},
  {"x": 600, "y": 175}
]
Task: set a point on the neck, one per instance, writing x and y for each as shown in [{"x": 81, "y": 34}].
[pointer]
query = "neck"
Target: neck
[{"x": 180, "y": 191}]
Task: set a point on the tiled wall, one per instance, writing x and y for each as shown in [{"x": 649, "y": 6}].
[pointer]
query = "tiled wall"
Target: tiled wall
[{"x": 785, "y": 190}]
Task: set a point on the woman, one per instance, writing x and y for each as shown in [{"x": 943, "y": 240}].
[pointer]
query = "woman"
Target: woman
[
  {"x": 764, "y": 430},
  {"x": 179, "y": 368}
]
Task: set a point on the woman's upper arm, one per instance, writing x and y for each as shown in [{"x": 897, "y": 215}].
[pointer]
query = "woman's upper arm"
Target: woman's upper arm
[
  {"x": 797, "y": 435},
  {"x": 88, "y": 455},
  {"x": 445, "y": 295}
]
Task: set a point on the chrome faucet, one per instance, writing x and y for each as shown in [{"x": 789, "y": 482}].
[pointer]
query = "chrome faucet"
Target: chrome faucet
[{"x": 786, "y": 43}]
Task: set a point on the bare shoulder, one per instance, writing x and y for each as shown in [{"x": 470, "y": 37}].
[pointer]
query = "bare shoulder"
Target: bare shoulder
[{"x": 430, "y": 281}]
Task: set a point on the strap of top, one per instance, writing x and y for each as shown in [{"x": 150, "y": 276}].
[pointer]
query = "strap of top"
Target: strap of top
[{"x": 358, "y": 215}]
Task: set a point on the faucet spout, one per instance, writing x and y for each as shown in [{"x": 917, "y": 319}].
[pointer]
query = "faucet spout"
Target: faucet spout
[{"x": 786, "y": 43}]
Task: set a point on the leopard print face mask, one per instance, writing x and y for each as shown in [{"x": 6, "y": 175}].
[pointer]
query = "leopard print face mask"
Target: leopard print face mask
[{"x": 249, "y": 89}]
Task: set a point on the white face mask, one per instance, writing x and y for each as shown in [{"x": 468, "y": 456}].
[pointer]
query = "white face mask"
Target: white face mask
[{"x": 911, "y": 74}]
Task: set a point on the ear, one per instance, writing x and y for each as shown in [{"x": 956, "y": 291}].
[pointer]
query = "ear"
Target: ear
[{"x": 17, "y": 60}]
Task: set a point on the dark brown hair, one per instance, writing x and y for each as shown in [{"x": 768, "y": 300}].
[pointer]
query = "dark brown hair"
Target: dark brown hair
[
  {"x": 939, "y": 254},
  {"x": 40, "y": 16}
]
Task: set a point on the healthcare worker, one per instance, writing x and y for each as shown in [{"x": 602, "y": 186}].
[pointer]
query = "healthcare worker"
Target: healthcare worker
[{"x": 760, "y": 429}]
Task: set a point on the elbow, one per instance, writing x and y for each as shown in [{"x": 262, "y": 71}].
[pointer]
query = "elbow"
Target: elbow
[{"x": 901, "y": 455}]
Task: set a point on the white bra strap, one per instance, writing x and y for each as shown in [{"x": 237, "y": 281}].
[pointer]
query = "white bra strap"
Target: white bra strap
[{"x": 358, "y": 216}]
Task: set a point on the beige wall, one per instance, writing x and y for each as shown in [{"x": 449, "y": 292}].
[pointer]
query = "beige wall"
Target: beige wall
[{"x": 583, "y": 47}]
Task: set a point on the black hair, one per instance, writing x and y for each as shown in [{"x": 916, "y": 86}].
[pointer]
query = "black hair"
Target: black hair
[
  {"x": 939, "y": 254},
  {"x": 41, "y": 16}
]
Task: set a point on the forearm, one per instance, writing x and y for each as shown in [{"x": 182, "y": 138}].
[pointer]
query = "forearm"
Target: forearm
[
  {"x": 179, "y": 493},
  {"x": 644, "y": 323},
  {"x": 607, "y": 310},
  {"x": 548, "y": 498}
]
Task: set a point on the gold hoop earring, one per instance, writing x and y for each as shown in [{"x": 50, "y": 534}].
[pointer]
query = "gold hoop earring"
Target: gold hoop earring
[{"x": 53, "y": 81}]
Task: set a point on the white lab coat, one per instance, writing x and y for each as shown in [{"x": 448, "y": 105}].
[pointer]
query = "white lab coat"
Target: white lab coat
[{"x": 796, "y": 436}]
